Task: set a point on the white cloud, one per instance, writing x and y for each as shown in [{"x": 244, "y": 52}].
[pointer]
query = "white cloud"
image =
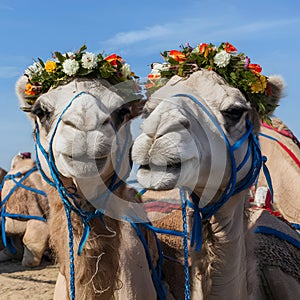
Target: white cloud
[
  {"x": 258, "y": 27},
  {"x": 197, "y": 30},
  {"x": 136, "y": 36}
]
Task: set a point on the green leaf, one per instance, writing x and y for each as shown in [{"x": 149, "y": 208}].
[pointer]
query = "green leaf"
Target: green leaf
[
  {"x": 41, "y": 63},
  {"x": 84, "y": 72},
  {"x": 83, "y": 47},
  {"x": 60, "y": 57}
]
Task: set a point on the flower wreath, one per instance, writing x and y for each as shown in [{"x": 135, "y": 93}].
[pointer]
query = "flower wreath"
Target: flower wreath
[
  {"x": 64, "y": 67},
  {"x": 234, "y": 67}
]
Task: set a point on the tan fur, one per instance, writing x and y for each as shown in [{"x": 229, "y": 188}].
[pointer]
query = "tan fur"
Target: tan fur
[
  {"x": 284, "y": 172},
  {"x": 227, "y": 266},
  {"x": 113, "y": 264},
  {"x": 97, "y": 247},
  {"x": 2, "y": 174},
  {"x": 34, "y": 233}
]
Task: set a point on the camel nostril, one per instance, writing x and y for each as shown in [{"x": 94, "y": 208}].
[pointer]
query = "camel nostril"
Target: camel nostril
[
  {"x": 185, "y": 123},
  {"x": 69, "y": 123},
  {"x": 106, "y": 121}
]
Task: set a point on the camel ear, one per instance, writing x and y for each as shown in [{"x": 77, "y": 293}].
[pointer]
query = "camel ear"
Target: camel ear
[
  {"x": 23, "y": 99},
  {"x": 276, "y": 88}
]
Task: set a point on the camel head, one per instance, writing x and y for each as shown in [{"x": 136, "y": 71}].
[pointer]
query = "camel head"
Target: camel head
[
  {"x": 80, "y": 118},
  {"x": 182, "y": 142}
]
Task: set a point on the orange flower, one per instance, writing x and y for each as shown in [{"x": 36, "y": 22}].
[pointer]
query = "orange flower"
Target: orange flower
[
  {"x": 152, "y": 76},
  {"x": 112, "y": 59},
  {"x": 177, "y": 55},
  {"x": 229, "y": 48},
  {"x": 50, "y": 66},
  {"x": 255, "y": 68},
  {"x": 29, "y": 90},
  {"x": 202, "y": 47}
]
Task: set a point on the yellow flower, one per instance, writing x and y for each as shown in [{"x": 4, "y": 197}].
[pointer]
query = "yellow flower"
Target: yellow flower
[
  {"x": 260, "y": 84},
  {"x": 50, "y": 66}
]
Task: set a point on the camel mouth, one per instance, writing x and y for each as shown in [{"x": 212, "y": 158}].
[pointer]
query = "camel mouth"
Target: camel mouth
[
  {"x": 81, "y": 166},
  {"x": 164, "y": 177},
  {"x": 153, "y": 167}
]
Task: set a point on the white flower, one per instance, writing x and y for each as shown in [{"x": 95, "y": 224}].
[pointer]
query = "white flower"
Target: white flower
[
  {"x": 222, "y": 59},
  {"x": 161, "y": 67},
  {"x": 70, "y": 66},
  {"x": 126, "y": 71},
  {"x": 89, "y": 60},
  {"x": 34, "y": 69}
]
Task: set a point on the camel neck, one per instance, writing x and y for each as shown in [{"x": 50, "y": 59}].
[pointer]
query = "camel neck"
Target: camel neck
[{"x": 224, "y": 247}]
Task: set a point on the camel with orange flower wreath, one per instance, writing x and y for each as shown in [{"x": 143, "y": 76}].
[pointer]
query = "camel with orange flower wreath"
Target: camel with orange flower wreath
[{"x": 200, "y": 135}]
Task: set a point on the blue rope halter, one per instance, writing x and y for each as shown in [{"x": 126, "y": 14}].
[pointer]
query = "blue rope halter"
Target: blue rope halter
[
  {"x": 5, "y": 214},
  {"x": 232, "y": 188},
  {"x": 71, "y": 205}
]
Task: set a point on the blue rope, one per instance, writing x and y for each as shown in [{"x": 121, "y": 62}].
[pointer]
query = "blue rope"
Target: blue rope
[
  {"x": 187, "y": 290},
  {"x": 231, "y": 188},
  {"x": 279, "y": 234},
  {"x": 73, "y": 206},
  {"x": 296, "y": 226},
  {"x": 4, "y": 214},
  {"x": 156, "y": 274},
  {"x": 268, "y": 177}
]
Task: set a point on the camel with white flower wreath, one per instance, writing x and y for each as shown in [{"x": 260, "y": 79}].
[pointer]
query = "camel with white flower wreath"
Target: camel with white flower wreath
[
  {"x": 82, "y": 124},
  {"x": 198, "y": 134},
  {"x": 30, "y": 236}
]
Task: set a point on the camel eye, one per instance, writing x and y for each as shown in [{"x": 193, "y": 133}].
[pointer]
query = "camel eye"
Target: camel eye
[
  {"x": 122, "y": 113},
  {"x": 234, "y": 114},
  {"x": 40, "y": 112}
]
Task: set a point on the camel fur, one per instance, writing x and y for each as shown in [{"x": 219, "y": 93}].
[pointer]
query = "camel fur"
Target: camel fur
[
  {"x": 285, "y": 173},
  {"x": 30, "y": 236},
  {"x": 113, "y": 263},
  {"x": 180, "y": 146}
]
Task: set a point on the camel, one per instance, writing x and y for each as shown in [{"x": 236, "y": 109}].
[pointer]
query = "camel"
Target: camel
[
  {"x": 284, "y": 178},
  {"x": 30, "y": 236},
  {"x": 83, "y": 123},
  {"x": 2, "y": 174},
  {"x": 191, "y": 125}
]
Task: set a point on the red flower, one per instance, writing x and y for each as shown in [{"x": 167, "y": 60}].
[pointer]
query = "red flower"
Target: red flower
[
  {"x": 152, "y": 76},
  {"x": 177, "y": 55},
  {"x": 202, "y": 47},
  {"x": 255, "y": 68},
  {"x": 229, "y": 48},
  {"x": 112, "y": 59}
]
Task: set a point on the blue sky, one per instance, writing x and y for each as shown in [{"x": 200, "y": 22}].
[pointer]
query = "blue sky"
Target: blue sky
[{"x": 267, "y": 31}]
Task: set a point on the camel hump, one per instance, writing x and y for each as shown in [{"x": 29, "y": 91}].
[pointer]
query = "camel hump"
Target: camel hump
[{"x": 280, "y": 125}]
